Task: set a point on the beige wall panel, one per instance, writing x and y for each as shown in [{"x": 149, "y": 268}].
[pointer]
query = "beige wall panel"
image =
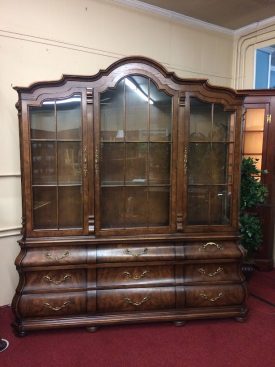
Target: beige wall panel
[
  {"x": 8, "y": 273},
  {"x": 10, "y": 203}
]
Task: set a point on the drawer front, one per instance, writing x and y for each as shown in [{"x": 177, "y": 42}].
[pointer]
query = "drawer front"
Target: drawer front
[
  {"x": 135, "y": 276},
  {"x": 211, "y": 296},
  {"x": 135, "y": 252},
  {"x": 212, "y": 250},
  {"x": 55, "y": 256},
  {"x": 54, "y": 280},
  {"x": 61, "y": 304},
  {"x": 138, "y": 299},
  {"x": 212, "y": 272}
]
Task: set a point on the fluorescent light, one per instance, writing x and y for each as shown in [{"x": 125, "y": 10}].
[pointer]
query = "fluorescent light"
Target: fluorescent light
[
  {"x": 63, "y": 101},
  {"x": 142, "y": 95}
]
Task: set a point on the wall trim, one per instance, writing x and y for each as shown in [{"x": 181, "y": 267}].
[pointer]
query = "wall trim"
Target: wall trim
[
  {"x": 90, "y": 50},
  {"x": 4, "y": 175},
  {"x": 10, "y": 231}
]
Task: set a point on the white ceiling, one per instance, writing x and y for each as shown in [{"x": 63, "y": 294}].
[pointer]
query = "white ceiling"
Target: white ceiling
[{"x": 231, "y": 14}]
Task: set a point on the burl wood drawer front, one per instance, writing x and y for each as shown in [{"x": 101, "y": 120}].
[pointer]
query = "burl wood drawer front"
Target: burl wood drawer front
[
  {"x": 54, "y": 280},
  {"x": 33, "y": 305},
  {"x": 138, "y": 299},
  {"x": 135, "y": 252},
  {"x": 212, "y": 272},
  {"x": 212, "y": 250},
  {"x": 211, "y": 296},
  {"x": 55, "y": 256},
  {"x": 135, "y": 276}
]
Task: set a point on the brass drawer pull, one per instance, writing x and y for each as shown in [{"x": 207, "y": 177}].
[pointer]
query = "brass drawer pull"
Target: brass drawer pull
[
  {"x": 48, "y": 305},
  {"x": 57, "y": 282},
  {"x": 203, "y": 247},
  {"x": 211, "y": 299},
  {"x": 49, "y": 256},
  {"x": 137, "y": 254},
  {"x": 134, "y": 276},
  {"x": 203, "y": 272},
  {"x": 128, "y": 300}
]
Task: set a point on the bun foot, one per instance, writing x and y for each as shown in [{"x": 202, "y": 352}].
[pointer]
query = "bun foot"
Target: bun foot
[
  {"x": 92, "y": 329},
  {"x": 179, "y": 323}
]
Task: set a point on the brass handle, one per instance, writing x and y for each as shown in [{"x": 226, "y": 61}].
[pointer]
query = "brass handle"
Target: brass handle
[
  {"x": 96, "y": 160},
  {"x": 211, "y": 299},
  {"x": 128, "y": 300},
  {"x": 48, "y": 305},
  {"x": 57, "y": 282},
  {"x": 137, "y": 254},
  {"x": 203, "y": 247},
  {"x": 135, "y": 276},
  {"x": 203, "y": 272},
  {"x": 85, "y": 161},
  {"x": 49, "y": 256}
]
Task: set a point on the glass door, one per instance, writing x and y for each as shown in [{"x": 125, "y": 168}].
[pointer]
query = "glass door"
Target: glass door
[
  {"x": 210, "y": 163},
  {"x": 56, "y": 155},
  {"x": 135, "y": 155}
]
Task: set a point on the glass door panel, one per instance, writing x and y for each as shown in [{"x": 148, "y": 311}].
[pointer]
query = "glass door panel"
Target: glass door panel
[
  {"x": 210, "y": 163},
  {"x": 159, "y": 163},
  {"x": 138, "y": 170},
  {"x": 45, "y": 207},
  {"x": 112, "y": 163},
  {"x": 43, "y": 162},
  {"x": 56, "y": 153},
  {"x": 136, "y": 163},
  {"x": 69, "y": 162},
  {"x": 42, "y": 121},
  {"x": 68, "y": 116},
  {"x": 70, "y": 206}
]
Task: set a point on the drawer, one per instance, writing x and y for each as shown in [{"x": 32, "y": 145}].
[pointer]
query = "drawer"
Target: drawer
[
  {"x": 33, "y": 305},
  {"x": 211, "y": 296},
  {"x": 212, "y": 250},
  {"x": 138, "y": 299},
  {"x": 212, "y": 272},
  {"x": 54, "y": 280},
  {"x": 135, "y": 276},
  {"x": 55, "y": 255},
  {"x": 135, "y": 252}
]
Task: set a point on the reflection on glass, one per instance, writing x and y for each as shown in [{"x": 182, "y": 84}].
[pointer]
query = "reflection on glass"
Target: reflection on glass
[
  {"x": 136, "y": 120},
  {"x": 45, "y": 207},
  {"x": 43, "y": 162},
  {"x": 112, "y": 207},
  {"x": 207, "y": 163},
  {"x": 160, "y": 115},
  {"x": 112, "y": 163},
  {"x": 68, "y": 116},
  {"x": 69, "y": 162},
  {"x": 137, "y": 108},
  {"x": 112, "y": 113},
  {"x": 221, "y": 123},
  {"x": 208, "y": 205},
  {"x": 136, "y": 163},
  {"x": 159, "y": 206},
  {"x": 70, "y": 206},
  {"x": 159, "y": 163},
  {"x": 254, "y": 119},
  {"x": 42, "y": 120}
]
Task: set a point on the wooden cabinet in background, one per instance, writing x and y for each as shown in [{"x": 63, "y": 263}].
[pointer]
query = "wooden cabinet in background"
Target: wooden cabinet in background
[{"x": 130, "y": 182}]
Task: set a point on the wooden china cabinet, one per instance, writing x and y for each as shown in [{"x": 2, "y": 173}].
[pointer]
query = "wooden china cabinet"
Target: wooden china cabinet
[{"x": 130, "y": 182}]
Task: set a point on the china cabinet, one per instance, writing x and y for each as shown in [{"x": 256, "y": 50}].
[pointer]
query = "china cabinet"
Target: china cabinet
[{"x": 130, "y": 182}]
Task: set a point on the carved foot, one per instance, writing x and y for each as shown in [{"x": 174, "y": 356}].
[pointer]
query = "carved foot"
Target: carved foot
[
  {"x": 92, "y": 329},
  {"x": 179, "y": 323}
]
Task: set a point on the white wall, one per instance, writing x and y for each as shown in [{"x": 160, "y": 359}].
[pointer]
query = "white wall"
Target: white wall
[{"x": 41, "y": 40}]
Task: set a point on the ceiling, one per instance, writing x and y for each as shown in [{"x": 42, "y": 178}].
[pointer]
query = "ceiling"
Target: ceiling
[{"x": 231, "y": 14}]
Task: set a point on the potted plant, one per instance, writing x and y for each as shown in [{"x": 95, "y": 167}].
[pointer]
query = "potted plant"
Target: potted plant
[{"x": 253, "y": 193}]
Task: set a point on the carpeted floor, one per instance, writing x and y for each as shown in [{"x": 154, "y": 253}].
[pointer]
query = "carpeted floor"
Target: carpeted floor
[{"x": 202, "y": 343}]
